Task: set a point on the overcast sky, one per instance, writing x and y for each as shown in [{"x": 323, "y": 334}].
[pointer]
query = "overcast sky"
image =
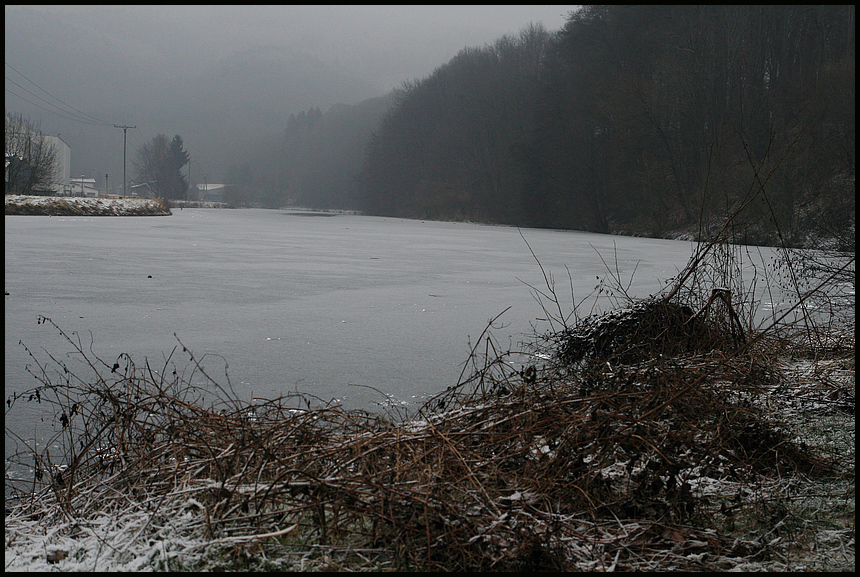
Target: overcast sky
[
  {"x": 391, "y": 43},
  {"x": 153, "y": 66}
]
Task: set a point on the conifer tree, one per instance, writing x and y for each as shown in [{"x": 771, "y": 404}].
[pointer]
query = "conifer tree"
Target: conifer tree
[{"x": 159, "y": 164}]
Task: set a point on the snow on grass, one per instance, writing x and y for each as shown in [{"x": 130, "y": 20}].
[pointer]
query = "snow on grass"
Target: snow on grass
[{"x": 78, "y": 206}]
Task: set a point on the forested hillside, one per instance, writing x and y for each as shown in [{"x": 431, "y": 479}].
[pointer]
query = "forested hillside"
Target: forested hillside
[{"x": 643, "y": 119}]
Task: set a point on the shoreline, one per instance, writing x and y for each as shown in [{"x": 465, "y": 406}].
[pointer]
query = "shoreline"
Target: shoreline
[{"x": 21, "y": 205}]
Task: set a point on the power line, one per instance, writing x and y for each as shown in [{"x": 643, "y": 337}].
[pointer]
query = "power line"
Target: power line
[
  {"x": 89, "y": 116},
  {"x": 61, "y": 113},
  {"x": 41, "y": 107},
  {"x": 76, "y": 116},
  {"x": 93, "y": 120},
  {"x": 136, "y": 137}
]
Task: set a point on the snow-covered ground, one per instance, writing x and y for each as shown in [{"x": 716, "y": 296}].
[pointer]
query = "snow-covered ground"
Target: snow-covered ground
[{"x": 77, "y": 206}]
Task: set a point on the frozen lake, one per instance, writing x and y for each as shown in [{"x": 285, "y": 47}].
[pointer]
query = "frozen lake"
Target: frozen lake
[{"x": 294, "y": 302}]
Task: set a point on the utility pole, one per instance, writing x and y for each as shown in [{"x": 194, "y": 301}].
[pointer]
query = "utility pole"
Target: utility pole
[{"x": 124, "y": 130}]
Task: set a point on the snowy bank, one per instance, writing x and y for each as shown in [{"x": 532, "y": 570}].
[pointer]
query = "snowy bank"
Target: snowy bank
[{"x": 77, "y": 206}]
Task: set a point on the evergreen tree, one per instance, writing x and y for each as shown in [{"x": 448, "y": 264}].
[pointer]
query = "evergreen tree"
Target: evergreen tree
[
  {"x": 159, "y": 163},
  {"x": 178, "y": 157}
]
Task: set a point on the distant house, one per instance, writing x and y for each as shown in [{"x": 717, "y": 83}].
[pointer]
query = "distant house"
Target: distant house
[
  {"x": 142, "y": 190},
  {"x": 212, "y": 192},
  {"x": 83, "y": 187}
]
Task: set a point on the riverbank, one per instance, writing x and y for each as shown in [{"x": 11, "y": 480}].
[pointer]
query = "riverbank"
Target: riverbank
[
  {"x": 78, "y": 206},
  {"x": 180, "y": 204}
]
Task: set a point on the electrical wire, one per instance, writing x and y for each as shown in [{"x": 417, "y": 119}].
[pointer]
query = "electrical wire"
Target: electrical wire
[
  {"x": 77, "y": 115},
  {"x": 60, "y": 114},
  {"x": 136, "y": 137}
]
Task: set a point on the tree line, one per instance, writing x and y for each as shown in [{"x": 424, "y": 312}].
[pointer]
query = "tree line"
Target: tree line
[
  {"x": 638, "y": 118},
  {"x": 644, "y": 119}
]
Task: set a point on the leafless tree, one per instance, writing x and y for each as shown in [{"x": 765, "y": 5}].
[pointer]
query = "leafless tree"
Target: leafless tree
[
  {"x": 31, "y": 160},
  {"x": 159, "y": 162}
]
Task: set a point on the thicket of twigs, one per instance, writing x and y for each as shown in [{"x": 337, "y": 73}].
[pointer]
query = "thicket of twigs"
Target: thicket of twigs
[{"x": 634, "y": 439}]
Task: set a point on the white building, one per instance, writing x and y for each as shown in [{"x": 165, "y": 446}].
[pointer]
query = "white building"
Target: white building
[
  {"x": 60, "y": 184},
  {"x": 83, "y": 187},
  {"x": 212, "y": 192},
  {"x": 64, "y": 165},
  {"x": 142, "y": 190}
]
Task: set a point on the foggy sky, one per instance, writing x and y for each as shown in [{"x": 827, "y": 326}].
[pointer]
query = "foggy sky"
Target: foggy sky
[{"x": 220, "y": 75}]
